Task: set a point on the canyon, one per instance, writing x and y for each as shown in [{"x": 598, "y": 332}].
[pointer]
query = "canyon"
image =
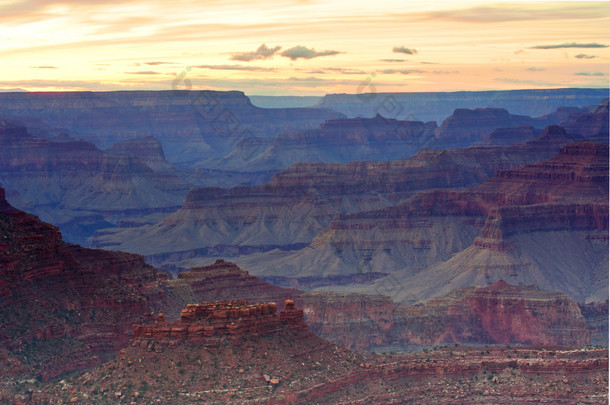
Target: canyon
[
  {"x": 68, "y": 309},
  {"x": 215, "y": 222},
  {"x": 441, "y": 246}
]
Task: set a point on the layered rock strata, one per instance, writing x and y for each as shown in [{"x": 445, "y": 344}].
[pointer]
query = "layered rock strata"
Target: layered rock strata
[{"x": 209, "y": 324}]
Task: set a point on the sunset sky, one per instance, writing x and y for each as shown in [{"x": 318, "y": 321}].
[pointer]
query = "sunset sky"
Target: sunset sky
[{"x": 304, "y": 47}]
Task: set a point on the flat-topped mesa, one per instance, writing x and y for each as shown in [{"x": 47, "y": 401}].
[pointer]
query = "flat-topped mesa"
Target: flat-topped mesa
[{"x": 212, "y": 323}]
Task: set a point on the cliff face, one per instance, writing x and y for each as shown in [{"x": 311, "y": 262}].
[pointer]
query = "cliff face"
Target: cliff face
[
  {"x": 589, "y": 123},
  {"x": 148, "y": 150},
  {"x": 62, "y": 313},
  {"x": 210, "y": 324},
  {"x": 511, "y": 136},
  {"x": 363, "y": 322},
  {"x": 465, "y": 127},
  {"x": 498, "y": 313}
]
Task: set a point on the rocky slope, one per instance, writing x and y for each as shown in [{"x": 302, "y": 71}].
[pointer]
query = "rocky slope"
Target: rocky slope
[
  {"x": 406, "y": 236},
  {"x": 303, "y": 369},
  {"x": 514, "y": 227},
  {"x": 545, "y": 224},
  {"x": 246, "y": 220},
  {"x": 80, "y": 188},
  {"x": 60, "y": 313}
]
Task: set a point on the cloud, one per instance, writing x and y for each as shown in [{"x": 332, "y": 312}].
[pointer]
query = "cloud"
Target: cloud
[
  {"x": 520, "y": 51},
  {"x": 306, "y": 53},
  {"x": 263, "y": 52},
  {"x": 43, "y": 67},
  {"x": 143, "y": 72},
  {"x": 236, "y": 67},
  {"x": 590, "y": 74},
  {"x": 535, "y": 69},
  {"x": 445, "y": 72},
  {"x": 570, "y": 45},
  {"x": 158, "y": 63},
  {"x": 346, "y": 71},
  {"x": 393, "y": 60},
  {"x": 402, "y": 49},
  {"x": 403, "y": 71},
  {"x": 583, "y": 56},
  {"x": 520, "y": 12}
]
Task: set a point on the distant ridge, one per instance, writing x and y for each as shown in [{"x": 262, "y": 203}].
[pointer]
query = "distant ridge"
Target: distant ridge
[{"x": 436, "y": 106}]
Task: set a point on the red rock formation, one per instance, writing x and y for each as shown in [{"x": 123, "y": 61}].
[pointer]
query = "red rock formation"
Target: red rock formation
[
  {"x": 63, "y": 313},
  {"x": 498, "y": 313},
  {"x": 212, "y": 323},
  {"x": 355, "y": 321}
]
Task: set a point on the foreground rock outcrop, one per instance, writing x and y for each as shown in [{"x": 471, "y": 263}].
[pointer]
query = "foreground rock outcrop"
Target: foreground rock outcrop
[
  {"x": 59, "y": 313},
  {"x": 304, "y": 369},
  {"x": 210, "y": 324}
]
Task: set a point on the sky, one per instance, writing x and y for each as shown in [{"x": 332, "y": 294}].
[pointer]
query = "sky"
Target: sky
[{"x": 301, "y": 47}]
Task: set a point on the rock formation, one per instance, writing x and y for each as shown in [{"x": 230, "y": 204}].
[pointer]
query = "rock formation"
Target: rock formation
[
  {"x": 343, "y": 140},
  {"x": 245, "y": 220},
  {"x": 58, "y": 313},
  {"x": 465, "y": 127},
  {"x": 148, "y": 150},
  {"x": 546, "y": 224},
  {"x": 79, "y": 187},
  {"x": 498, "y": 313},
  {"x": 213, "y": 323},
  {"x": 511, "y": 136},
  {"x": 589, "y": 123}
]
